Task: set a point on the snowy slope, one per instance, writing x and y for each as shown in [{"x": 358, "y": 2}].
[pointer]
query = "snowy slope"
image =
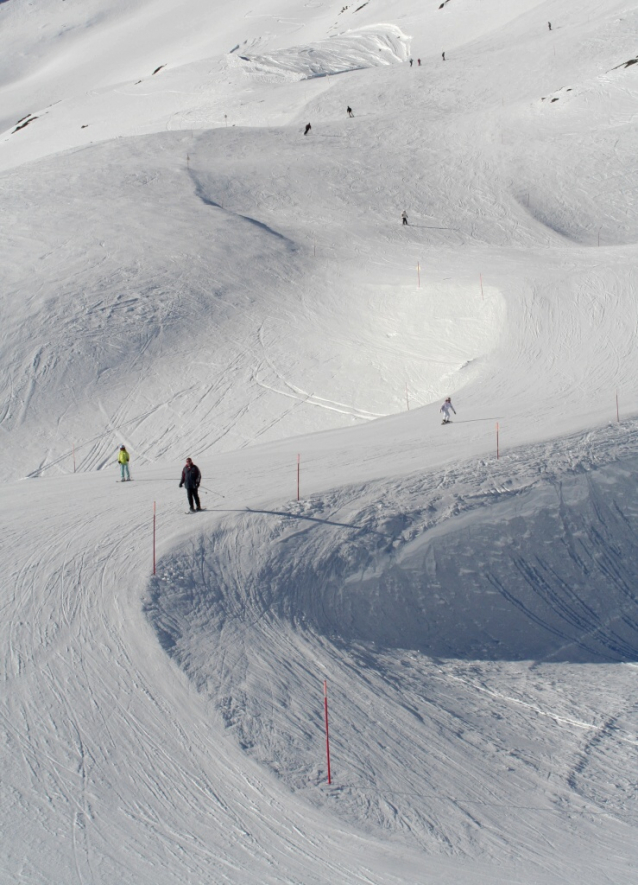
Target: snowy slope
[{"x": 187, "y": 273}]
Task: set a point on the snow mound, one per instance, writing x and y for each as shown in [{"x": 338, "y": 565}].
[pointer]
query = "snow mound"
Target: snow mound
[
  {"x": 462, "y": 565},
  {"x": 369, "y": 47},
  {"x": 580, "y": 135},
  {"x": 105, "y": 341},
  {"x": 409, "y": 586}
]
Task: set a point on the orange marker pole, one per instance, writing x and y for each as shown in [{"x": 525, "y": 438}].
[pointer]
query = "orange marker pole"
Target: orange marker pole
[
  {"x": 325, "y": 708},
  {"x": 154, "y": 523}
]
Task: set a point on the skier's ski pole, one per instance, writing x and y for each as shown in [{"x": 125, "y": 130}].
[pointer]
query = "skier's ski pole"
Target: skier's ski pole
[{"x": 212, "y": 491}]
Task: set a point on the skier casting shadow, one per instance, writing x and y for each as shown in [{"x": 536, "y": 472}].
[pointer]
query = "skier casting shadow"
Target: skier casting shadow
[
  {"x": 307, "y": 129},
  {"x": 445, "y": 408}
]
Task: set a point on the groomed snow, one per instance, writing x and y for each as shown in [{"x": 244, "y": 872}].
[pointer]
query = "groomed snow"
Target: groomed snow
[{"x": 186, "y": 273}]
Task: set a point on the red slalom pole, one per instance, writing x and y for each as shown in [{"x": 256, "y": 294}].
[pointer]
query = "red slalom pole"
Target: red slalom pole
[
  {"x": 154, "y": 522},
  {"x": 325, "y": 708},
  {"x": 298, "y": 460}
]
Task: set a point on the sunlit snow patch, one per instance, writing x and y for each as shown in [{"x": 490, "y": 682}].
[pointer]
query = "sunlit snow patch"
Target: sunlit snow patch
[{"x": 365, "y": 48}]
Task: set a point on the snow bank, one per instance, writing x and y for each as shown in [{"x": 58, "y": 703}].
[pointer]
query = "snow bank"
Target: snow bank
[
  {"x": 354, "y": 50},
  {"x": 395, "y": 592}
]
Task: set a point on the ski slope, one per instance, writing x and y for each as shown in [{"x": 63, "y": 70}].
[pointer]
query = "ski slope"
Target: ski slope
[{"x": 188, "y": 274}]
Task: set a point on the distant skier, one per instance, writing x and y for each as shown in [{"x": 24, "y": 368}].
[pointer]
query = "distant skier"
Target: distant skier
[
  {"x": 307, "y": 129},
  {"x": 418, "y": 61},
  {"x": 411, "y": 62},
  {"x": 549, "y": 25},
  {"x": 443, "y": 56},
  {"x": 404, "y": 216},
  {"x": 123, "y": 459},
  {"x": 446, "y": 408},
  {"x": 349, "y": 111},
  {"x": 191, "y": 478}
]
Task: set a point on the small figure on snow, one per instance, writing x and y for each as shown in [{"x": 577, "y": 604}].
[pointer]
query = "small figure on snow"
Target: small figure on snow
[
  {"x": 418, "y": 61},
  {"x": 404, "y": 216},
  {"x": 123, "y": 459},
  {"x": 191, "y": 478},
  {"x": 349, "y": 111},
  {"x": 446, "y": 408},
  {"x": 307, "y": 129},
  {"x": 443, "y": 56},
  {"x": 411, "y": 62},
  {"x": 549, "y": 25}
]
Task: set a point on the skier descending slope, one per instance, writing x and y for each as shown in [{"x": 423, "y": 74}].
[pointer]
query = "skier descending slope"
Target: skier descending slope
[
  {"x": 445, "y": 408},
  {"x": 191, "y": 478}
]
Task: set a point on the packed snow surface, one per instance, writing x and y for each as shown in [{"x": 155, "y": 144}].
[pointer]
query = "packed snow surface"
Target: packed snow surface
[{"x": 187, "y": 274}]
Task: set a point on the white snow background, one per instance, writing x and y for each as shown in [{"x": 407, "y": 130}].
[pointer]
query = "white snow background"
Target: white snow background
[{"x": 184, "y": 272}]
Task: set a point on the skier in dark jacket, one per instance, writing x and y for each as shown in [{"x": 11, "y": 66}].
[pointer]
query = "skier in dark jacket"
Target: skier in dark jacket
[
  {"x": 307, "y": 129},
  {"x": 191, "y": 478}
]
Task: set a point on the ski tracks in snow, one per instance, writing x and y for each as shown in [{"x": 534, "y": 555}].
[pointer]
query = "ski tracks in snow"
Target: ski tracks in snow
[
  {"x": 111, "y": 749},
  {"x": 392, "y": 591}
]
